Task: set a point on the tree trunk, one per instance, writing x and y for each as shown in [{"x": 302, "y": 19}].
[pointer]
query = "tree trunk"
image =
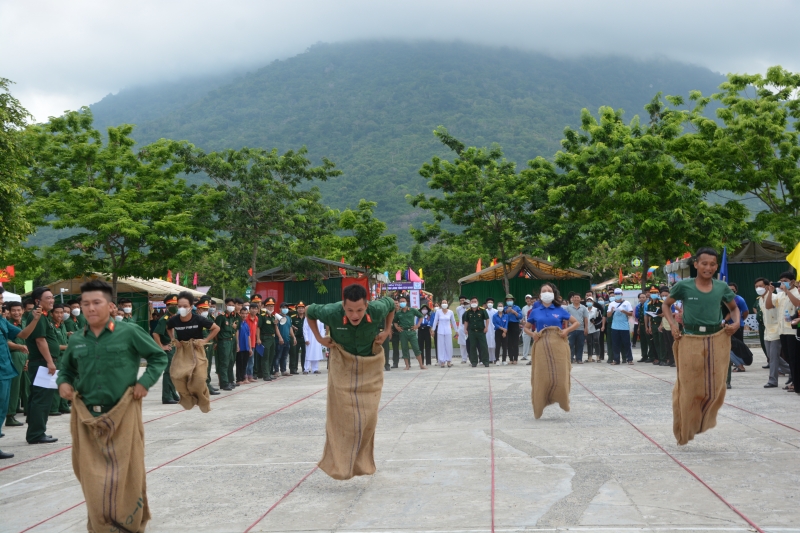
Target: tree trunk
[
  {"x": 114, "y": 286},
  {"x": 645, "y": 267},
  {"x": 505, "y": 270},
  {"x": 253, "y": 263}
]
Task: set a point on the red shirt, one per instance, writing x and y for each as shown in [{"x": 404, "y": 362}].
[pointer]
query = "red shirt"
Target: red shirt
[{"x": 252, "y": 323}]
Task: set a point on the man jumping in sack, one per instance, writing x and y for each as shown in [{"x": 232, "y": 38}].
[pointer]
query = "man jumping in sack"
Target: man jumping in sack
[{"x": 355, "y": 378}]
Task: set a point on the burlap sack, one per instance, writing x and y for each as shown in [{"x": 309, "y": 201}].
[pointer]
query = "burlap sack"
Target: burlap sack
[
  {"x": 550, "y": 371},
  {"x": 108, "y": 460},
  {"x": 189, "y": 370},
  {"x": 354, "y": 392},
  {"x": 702, "y": 362}
]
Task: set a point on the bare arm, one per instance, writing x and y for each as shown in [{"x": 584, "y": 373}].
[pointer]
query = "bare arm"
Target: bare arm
[
  {"x": 730, "y": 329},
  {"x": 25, "y": 333},
  {"x": 213, "y": 332}
]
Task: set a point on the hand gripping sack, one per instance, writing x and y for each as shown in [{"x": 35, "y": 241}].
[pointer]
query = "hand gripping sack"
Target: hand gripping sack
[
  {"x": 189, "y": 370},
  {"x": 550, "y": 369}
]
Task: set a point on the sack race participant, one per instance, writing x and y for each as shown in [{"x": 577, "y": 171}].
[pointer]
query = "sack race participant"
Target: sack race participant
[
  {"x": 98, "y": 373},
  {"x": 702, "y": 350},
  {"x": 550, "y": 355},
  {"x": 355, "y": 378},
  {"x": 189, "y": 366}
]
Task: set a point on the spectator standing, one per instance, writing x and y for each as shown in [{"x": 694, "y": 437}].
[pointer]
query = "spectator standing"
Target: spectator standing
[
  {"x": 526, "y": 339},
  {"x": 577, "y": 337},
  {"x": 786, "y": 301},
  {"x": 514, "y": 314},
  {"x": 618, "y": 312},
  {"x": 596, "y": 321},
  {"x": 500, "y": 326}
]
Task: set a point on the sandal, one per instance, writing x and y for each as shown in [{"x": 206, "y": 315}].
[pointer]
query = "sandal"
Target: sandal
[{"x": 630, "y": 362}]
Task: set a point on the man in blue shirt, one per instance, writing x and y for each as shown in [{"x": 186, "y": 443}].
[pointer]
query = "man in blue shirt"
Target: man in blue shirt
[
  {"x": 514, "y": 315},
  {"x": 285, "y": 335},
  {"x": 743, "y": 312}
]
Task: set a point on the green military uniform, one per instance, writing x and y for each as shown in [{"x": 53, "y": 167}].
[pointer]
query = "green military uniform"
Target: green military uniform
[
  {"x": 475, "y": 326},
  {"x": 263, "y": 365},
  {"x": 297, "y": 353},
  {"x": 654, "y": 306},
  {"x": 354, "y": 339},
  {"x": 40, "y": 398},
  {"x": 102, "y": 368},
  {"x": 59, "y": 405},
  {"x": 20, "y": 385},
  {"x": 406, "y": 319},
  {"x": 168, "y": 392},
  {"x": 226, "y": 346},
  {"x": 73, "y": 324}
]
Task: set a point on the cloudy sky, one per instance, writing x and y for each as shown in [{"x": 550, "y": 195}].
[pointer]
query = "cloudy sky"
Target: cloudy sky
[{"x": 66, "y": 54}]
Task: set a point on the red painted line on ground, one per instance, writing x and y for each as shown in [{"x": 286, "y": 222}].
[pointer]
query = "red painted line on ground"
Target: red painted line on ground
[
  {"x": 147, "y": 422},
  {"x": 729, "y": 404},
  {"x": 308, "y": 475},
  {"x": 491, "y": 427},
  {"x": 190, "y": 452},
  {"x": 645, "y": 435}
]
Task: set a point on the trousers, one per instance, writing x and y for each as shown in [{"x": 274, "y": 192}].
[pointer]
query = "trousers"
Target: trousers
[
  {"x": 513, "y": 341},
  {"x": 281, "y": 356},
  {"x": 297, "y": 354},
  {"x": 224, "y": 350},
  {"x": 241, "y": 365},
  {"x": 621, "y": 343},
  {"x": 576, "y": 341},
  {"x": 478, "y": 348},
  {"x": 409, "y": 338},
  {"x": 18, "y": 386},
  {"x": 39, "y": 403},
  {"x": 645, "y": 341},
  {"x": 526, "y": 345},
  {"x": 424, "y": 341},
  {"x": 168, "y": 392},
  {"x": 500, "y": 345}
]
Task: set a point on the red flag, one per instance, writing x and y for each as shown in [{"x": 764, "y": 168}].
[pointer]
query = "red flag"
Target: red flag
[
  {"x": 6, "y": 273},
  {"x": 621, "y": 277},
  {"x": 169, "y": 275},
  {"x": 250, "y": 271},
  {"x": 342, "y": 271},
  {"x": 494, "y": 262},
  {"x": 478, "y": 266},
  {"x": 194, "y": 281},
  {"x": 687, "y": 255}
]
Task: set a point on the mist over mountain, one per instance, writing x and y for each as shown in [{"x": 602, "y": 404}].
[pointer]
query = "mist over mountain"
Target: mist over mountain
[{"x": 371, "y": 107}]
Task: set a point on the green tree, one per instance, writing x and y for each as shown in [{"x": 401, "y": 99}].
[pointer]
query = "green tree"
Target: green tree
[
  {"x": 131, "y": 213},
  {"x": 15, "y": 224},
  {"x": 443, "y": 265},
  {"x": 364, "y": 242},
  {"x": 754, "y": 151},
  {"x": 492, "y": 205},
  {"x": 621, "y": 186}
]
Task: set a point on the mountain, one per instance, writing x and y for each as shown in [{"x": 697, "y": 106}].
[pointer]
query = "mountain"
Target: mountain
[{"x": 371, "y": 107}]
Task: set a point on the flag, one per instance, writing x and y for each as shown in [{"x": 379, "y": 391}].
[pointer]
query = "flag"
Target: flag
[
  {"x": 250, "y": 271},
  {"x": 687, "y": 255},
  {"x": 412, "y": 276},
  {"x": 651, "y": 270},
  {"x": 478, "y": 266},
  {"x": 6, "y": 273},
  {"x": 420, "y": 274},
  {"x": 723, "y": 267},
  {"x": 178, "y": 278},
  {"x": 669, "y": 262},
  {"x": 28, "y": 285},
  {"x": 621, "y": 277},
  {"x": 194, "y": 281},
  {"x": 397, "y": 276},
  {"x": 494, "y": 262},
  {"x": 794, "y": 258},
  {"x": 342, "y": 271},
  {"x": 169, "y": 276}
]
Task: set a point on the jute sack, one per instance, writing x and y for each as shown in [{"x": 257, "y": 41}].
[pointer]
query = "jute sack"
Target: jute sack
[
  {"x": 550, "y": 371},
  {"x": 189, "y": 370},
  {"x": 108, "y": 460},
  {"x": 702, "y": 362},
  {"x": 354, "y": 392}
]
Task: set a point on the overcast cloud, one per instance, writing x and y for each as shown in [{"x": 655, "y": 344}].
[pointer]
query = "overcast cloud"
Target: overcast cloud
[{"x": 66, "y": 54}]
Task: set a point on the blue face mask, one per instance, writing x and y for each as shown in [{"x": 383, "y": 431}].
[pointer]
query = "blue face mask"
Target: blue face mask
[
  {"x": 618, "y": 298},
  {"x": 589, "y": 304},
  {"x": 654, "y": 296},
  {"x": 509, "y": 302},
  {"x": 786, "y": 284},
  {"x": 601, "y": 302},
  {"x": 402, "y": 305}
]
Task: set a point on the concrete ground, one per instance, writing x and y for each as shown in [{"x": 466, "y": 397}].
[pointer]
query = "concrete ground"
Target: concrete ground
[{"x": 252, "y": 459}]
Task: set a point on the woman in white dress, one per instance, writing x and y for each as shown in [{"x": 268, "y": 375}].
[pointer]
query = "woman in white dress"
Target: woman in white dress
[
  {"x": 444, "y": 324},
  {"x": 314, "y": 352},
  {"x": 491, "y": 311}
]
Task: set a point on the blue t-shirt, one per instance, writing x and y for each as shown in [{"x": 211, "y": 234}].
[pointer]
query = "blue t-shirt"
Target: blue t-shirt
[
  {"x": 500, "y": 321},
  {"x": 511, "y": 316},
  {"x": 244, "y": 337},
  {"x": 285, "y": 330},
  {"x": 742, "y": 305},
  {"x": 544, "y": 317}
]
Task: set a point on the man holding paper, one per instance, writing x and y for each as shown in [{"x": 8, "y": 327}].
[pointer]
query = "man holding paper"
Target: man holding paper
[{"x": 43, "y": 347}]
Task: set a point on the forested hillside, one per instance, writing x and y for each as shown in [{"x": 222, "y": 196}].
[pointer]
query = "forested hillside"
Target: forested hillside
[{"x": 371, "y": 107}]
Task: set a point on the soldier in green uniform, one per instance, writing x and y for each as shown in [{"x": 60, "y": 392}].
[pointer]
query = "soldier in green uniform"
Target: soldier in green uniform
[
  {"x": 204, "y": 309},
  {"x": 168, "y": 393},
  {"x": 226, "y": 344},
  {"x": 405, "y": 322},
  {"x": 59, "y": 405},
  {"x": 476, "y": 324},
  {"x": 267, "y": 329},
  {"x": 20, "y": 385},
  {"x": 102, "y": 361},
  {"x": 127, "y": 309},
  {"x": 43, "y": 346},
  {"x": 653, "y": 324},
  {"x": 298, "y": 351},
  {"x": 395, "y": 338},
  {"x": 75, "y": 320},
  {"x": 354, "y": 323}
]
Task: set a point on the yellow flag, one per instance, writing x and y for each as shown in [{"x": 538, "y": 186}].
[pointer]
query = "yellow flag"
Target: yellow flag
[
  {"x": 794, "y": 258},
  {"x": 420, "y": 274}
]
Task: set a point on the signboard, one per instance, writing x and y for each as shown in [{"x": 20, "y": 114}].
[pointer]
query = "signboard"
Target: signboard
[
  {"x": 414, "y": 297},
  {"x": 404, "y": 286},
  {"x": 636, "y": 262},
  {"x": 248, "y": 292}
]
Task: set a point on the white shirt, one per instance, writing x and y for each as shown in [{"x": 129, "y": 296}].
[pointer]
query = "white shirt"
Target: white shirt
[
  {"x": 772, "y": 328},
  {"x": 444, "y": 322},
  {"x": 525, "y": 311},
  {"x": 592, "y": 315},
  {"x": 784, "y": 305}
]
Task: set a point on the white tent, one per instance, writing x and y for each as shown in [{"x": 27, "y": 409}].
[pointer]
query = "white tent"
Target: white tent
[{"x": 9, "y": 296}]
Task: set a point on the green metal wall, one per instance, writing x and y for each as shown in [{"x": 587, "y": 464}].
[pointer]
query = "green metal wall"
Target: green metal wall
[
  {"x": 306, "y": 291},
  {"x": 520, "y": 287},
  {"x": 745, "y": 274}
]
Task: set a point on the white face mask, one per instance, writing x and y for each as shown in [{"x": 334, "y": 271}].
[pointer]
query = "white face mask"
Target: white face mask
[
  {"x": 184, "y": 311},
  {"x": 473, "y": 304},
  {"x": 76, "y": 311},
  {"x": 761, "y": 291},
  {"x": 230, "y": 308},
  {"x": 444, "y": 306},
  {"x": 490, "y": 305},
  {"x": 499, "y": 308},
  {"x": 424, "y": 311},
  {"x": 547, "y": 297},
  {"x": 118, "y": 318},
  {"x": 212, "y": 310},
  {"x": 127, "y": 310},
  {"x": 204, "y": 314}
]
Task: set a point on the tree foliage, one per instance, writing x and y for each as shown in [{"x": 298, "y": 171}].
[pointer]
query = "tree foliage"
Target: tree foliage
[{"x": 364, "y": 242}]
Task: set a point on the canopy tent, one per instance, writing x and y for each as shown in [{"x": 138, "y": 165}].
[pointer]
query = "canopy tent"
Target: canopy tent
[
  {"x": 329, "y": 269},
  {"x": 530, "y": 267},
  {"x": 156, "y": 289},
  {"x": 9, "y": 296}
]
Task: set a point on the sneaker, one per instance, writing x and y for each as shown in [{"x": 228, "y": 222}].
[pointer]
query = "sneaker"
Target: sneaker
[
  {"x": 286, "y": 374},
  {"x": 463, "y": 362}
]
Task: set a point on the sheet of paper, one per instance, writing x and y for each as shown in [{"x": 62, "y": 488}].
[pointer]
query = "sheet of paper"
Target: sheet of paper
[
  {"x": 44, "y": 379},
  {"x": 651, "y": 313}
]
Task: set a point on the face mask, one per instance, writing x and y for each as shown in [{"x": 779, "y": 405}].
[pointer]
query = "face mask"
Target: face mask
[
  {"x": 786, "y": 284},
  {"x": 654, "y": 296},
  {"x": 589, "y": 304},
  {"x": 230, "y": 308},
  {"x": 618, "y": 298},
  {"x": 172, "y": 309},
  {"x": 76, "y": 311},
  {"x": 212, "y": 310},
  {"x": 424, "y": 311},
  {"x": 444, "y": 306},
  {"x": 547, "y": 297},
  {"x": 127, "y": 310},
  {"x": 509, "y": 302},
  {"x": 499, "y": 308},
  {"x": 473, "y": 304},
  {"x": 183, "y": 311},
  {"x": 118, "y": 318},
  {"x": 402, "y": 305},
  {"x": 761, "y": 291},
  {"x": 600, "y": 301},
  {"x": 284, "y": 310},
  {"x": 204, "y": 314},
  {"x": 490, "y": 305}
]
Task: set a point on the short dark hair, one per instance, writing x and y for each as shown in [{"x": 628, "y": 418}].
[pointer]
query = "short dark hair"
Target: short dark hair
[
  {"x": 573, "y": 293},
  {"x": 765, "y": 281},
  {"x": 735, "y": 286},
  {"x": 663, "y": 288},
  {"x": 98, "y": 285},
  {"x": 230, "y": 300},
  {"x": 707, "y": 250},
  {"x": 27, "y": 301},
  {"x": 38, "y": 292},
  {"x": 354, "y": 293},
  {"x": 74, "y": 302},
  {"x": 58, "y": 306},
  {"x": 402, "y": 297},
  {"x": 238, "y": 301},
  {"x": 788, "y": 275},
  {"x": 2, "y": 290},
  {"x": 123, "y": 301},
  {"x": 10, "y": 305},
  {"x": 186, "y": 295}
]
